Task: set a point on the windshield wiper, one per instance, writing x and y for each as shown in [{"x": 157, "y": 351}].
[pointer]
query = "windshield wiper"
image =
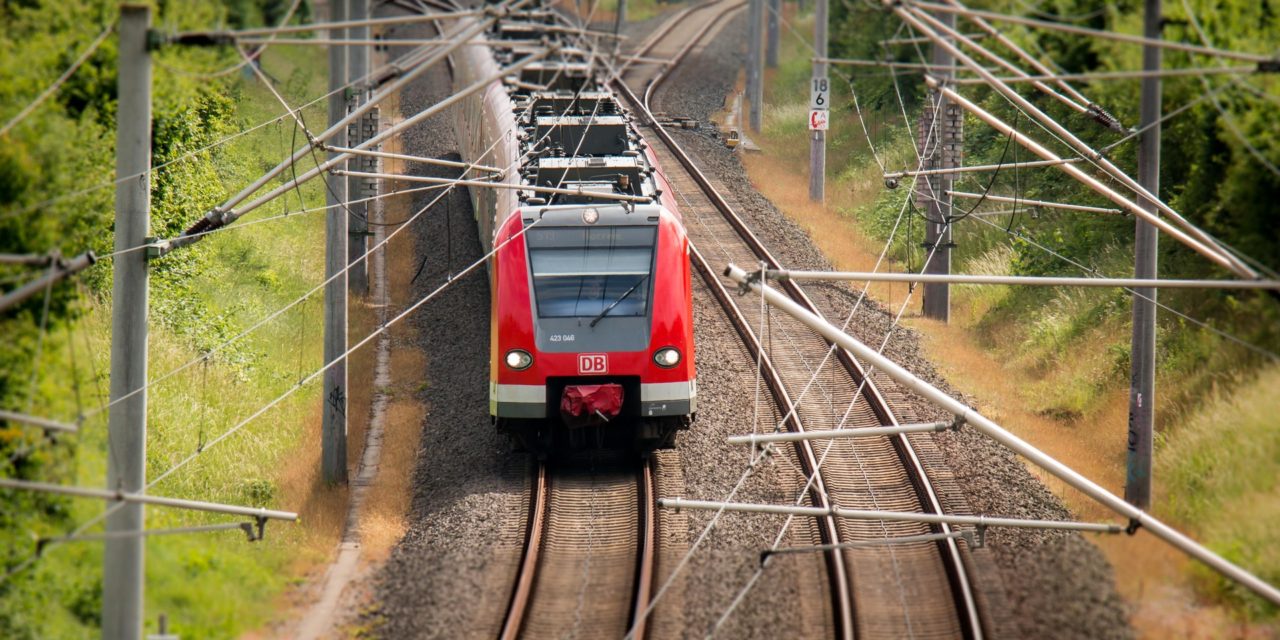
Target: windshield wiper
[{"x": 622, "y": 297}]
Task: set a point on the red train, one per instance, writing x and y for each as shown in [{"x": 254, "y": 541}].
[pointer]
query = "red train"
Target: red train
[{"x": 592, "y": 319}]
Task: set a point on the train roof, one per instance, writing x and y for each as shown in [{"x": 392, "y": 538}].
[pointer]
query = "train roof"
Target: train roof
[{"x": 578, "y": 143}]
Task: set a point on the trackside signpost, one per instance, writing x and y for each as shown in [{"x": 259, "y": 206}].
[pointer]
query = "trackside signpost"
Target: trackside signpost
[{"x": 819, "y": 103}]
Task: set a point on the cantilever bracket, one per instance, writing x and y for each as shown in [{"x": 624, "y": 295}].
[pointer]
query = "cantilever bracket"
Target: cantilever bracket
[
  {"x": 255, "y": 530},
  {"x": 157, "y": 247},
  {"x": 753, "y": 277}
]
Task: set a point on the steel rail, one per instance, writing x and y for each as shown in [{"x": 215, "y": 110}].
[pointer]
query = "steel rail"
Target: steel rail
[
  {"x": 647, "y": 558},
  {"x": 522, "y": 594},
  {"x": 684, "y": 51},
  {"x": 527, "y": 575},
  {"x": 957, "y": 572},
  {"x": 652, "y": 40}
]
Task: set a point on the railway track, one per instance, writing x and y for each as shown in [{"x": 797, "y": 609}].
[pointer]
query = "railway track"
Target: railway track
[
  {"x": 919, "y": 590},
  {"x": 590, "y": 550}
]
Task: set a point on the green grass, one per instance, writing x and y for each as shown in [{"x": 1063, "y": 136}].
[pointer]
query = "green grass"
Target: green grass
[
  {"x": 213, "y": 585},
  {"x": 1219, "y": 473}
]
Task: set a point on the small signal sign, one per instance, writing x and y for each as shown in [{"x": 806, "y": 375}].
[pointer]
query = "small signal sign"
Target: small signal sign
[{"x": 818, "y": 119}]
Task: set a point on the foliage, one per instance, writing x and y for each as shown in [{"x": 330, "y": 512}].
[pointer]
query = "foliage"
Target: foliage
[{"x": 56, "y": 193}]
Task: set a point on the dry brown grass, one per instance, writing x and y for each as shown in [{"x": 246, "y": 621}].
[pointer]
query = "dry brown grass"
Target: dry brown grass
[
  {"x": 321, "y": 508},
  {"x": 387, "y": 502}
]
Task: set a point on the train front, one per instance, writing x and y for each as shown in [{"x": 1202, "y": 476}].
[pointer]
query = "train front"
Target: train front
[{"x": 592, "y": 339}]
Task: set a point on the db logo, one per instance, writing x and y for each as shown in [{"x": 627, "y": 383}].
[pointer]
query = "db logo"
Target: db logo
[{"x": 592, "y": 363}]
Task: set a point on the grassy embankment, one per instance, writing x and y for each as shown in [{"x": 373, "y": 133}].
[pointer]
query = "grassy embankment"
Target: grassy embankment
[
  {"x": 212, "y": 585},
  {"x": 1054, "y": 364}
]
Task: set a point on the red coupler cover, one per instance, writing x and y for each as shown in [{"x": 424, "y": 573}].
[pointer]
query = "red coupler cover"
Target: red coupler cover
[{"x": 586, "y": 399}]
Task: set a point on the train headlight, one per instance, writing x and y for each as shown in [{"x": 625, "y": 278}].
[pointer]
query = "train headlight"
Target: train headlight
[
  {"x": 519, "y": 359},
  {"x": 590, "y": 216},
  {"x": 667, "y": 357}
]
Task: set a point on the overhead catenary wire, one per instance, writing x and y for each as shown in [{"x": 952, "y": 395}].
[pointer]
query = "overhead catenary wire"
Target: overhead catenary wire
[
  {"x": 1126, "y": 74},
  {"x": 252, "y": 59},
  {"x": 301, "y": 299},
  {"x": 1011, "y": 442},
  {"x": 1227, "y": 118},
  {"x": 1189, "y": 234},
  {"x": 811, "y": 477},
  {"x": 58, "y": 270},
  {"x": 84, "y": 526},
  {"x": 227, "y": 36},
  {"x": 416, "y": 65},
  {"x": 1096, "y": 33},
  {"x": 1026, "y": 57},
  {"x": 999, "y": 61},
  {"x": 1218, "y": 256},
  {"x": 1194, "y": 236},
  {"x": 381, "y": 71},
  {"x": 1257, "y": 349},
  {"x": 232, "y": 209}
]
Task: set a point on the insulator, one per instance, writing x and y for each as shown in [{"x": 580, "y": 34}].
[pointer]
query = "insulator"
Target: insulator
[{"x": 1104, "y": 118}]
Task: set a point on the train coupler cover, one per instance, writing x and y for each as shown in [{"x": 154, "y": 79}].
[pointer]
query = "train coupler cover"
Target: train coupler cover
[{"x": 590, "y": 404}]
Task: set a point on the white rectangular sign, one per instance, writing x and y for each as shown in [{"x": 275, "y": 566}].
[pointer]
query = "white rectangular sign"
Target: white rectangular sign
[
  {"x": 818, "y": 119},
  {"x": 819, "y": 93}
]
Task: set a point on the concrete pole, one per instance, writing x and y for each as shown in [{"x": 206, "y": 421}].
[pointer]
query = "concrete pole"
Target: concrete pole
[
  {"x": 755, "y": 63},
  {"x": 941, "y": 145},
  {"x": 124, "y": 558},
  {"x": 358, "y": 231},
  {"x": 818, "y": 139},
  {"x": 333, "y": 447},
  {"x": 621, "y": 17},
  {"x": 771, "y": 33},
  {"x": 1142, "y": 378}
]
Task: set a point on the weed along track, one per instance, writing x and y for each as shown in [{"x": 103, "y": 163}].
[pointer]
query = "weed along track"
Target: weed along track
[
  {"x": 590, "y": 549},
  {"x": 910, "y": 589}
]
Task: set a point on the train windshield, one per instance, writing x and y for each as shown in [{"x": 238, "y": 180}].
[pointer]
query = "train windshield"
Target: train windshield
[{"x": 578, "y": 272}]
